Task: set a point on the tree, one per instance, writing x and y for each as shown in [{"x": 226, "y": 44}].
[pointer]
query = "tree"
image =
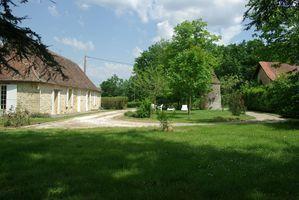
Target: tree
[
  {"x": 277, "y": 22},
  {"x": 191, "y": 60},
  {"x": 113, "y": 87},
  {"x": 21, "y": 43},
  {"x": 242, "y": 59},
  {"x": 191, "y": 73},
  {"x": 152, "y": 82}
]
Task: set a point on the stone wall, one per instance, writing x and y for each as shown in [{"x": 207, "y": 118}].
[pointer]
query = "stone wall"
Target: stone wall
[
  {"x": 39, "y": 98},
  {"x": 214, "y": 98},
  {"x": 262, "y": 77}
]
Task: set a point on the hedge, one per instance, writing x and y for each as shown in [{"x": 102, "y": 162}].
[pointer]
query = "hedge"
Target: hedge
[
  {"x": 281, "y": 96},
  {"x": 114, "y": 102},
  {"x": 134, "y": 104}
]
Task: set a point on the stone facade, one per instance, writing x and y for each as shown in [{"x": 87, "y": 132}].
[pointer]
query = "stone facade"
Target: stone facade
[
  {"x": 214, "y": 98},
  {"x": 53, "y": 99}
]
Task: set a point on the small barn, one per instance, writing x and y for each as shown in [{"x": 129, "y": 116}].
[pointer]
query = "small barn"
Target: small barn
[
  {"x": 39, "y": 93},
  {"x": 269, "y": 71}
]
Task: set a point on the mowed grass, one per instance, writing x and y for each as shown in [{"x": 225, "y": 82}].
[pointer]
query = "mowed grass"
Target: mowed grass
[
  {"x": 198, "y": 116},
  {"x": 256, "y": 161}
]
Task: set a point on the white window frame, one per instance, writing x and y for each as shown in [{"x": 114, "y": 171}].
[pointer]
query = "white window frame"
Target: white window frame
[{"x": 67, "y": 98}]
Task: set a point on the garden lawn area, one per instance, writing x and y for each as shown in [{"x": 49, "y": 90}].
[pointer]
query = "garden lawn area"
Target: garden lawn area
[
  {"x": 245, "y": 161},
  {"x": 198, "y": 116}
]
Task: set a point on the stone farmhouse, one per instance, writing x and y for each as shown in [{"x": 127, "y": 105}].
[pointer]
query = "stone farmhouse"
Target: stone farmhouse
[
  {"x": 39, "y": 92},
  {"x": 269, "y": 71}
]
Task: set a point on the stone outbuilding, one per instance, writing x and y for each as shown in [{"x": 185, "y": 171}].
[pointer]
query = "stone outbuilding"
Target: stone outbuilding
[
  {"x": 39, "y": 92},
  {"x": 214, "y": 97}
]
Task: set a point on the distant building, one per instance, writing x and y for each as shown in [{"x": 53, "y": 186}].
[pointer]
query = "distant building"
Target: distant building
[
  {"x": 213, "y": 100},
  {"x": 269, "y": 71},
  {"x": 48, "y": 94}
]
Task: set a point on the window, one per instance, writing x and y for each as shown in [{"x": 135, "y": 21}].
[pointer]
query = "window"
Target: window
[{"x": 3, "y": 96}]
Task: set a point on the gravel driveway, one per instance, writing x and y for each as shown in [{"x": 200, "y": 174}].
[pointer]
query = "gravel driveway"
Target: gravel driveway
[
  {"x": 104, "y": 119},
  {"x": 112, "y": 119}
]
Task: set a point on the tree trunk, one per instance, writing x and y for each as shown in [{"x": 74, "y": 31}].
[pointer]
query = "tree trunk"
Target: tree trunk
[{"x": 189, "y": 105}]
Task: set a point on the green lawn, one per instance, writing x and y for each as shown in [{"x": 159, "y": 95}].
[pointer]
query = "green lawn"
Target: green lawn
[
  {"x": 198, "y": 116},
  {"x": 256, "y": 161}
]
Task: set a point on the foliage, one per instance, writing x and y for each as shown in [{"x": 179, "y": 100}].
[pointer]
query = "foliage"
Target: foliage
[
  {"x": 281, "y": 96},
  {"x": 113, "y": 87},
  {"x": 114, "y": 102},
  {"x": 151, "y": 82},
  {"x": 16, "y": 118},
  {"x": 242, "y": 59},
  {"x": 145, "y": 109},
  {"x": 191, "y": 72},
  {"x": 133, "y": 104},
  {"x": 236, "y": 104},
  {"x": 40, "y": 115},
  {"x": 164, "y": 121},
  {"x": 276, "y": 21},
  {"x": 131, "y": 114},
  {"x": 229, "y": 84},
  {"x": 23, "y": 42}
]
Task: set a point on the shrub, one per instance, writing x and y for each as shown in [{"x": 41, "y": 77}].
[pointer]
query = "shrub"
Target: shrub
[
  {"x": 133, "y": 104},
  {"x": 164, "y": 121},
  {"x": 281, "y": 97},
  {"x": 131, "y": 114},
  {"x": 16, "y": 118},
  {"x": 236, "y": 104},
  {"x": 114, "y": 102},
  {"x": 145, "y": 109},
  {"x": 40, "y": 115}
]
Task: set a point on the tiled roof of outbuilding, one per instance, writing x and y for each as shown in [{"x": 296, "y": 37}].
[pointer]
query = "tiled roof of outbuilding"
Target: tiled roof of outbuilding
[{"x": 275, "y": 69}]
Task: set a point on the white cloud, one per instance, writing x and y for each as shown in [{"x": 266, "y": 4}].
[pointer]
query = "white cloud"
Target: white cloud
[
  {"x": 53, "y": 11},
  {"x": 223, "y": 16},
  {"x": 73, "y": 42},
  {"x": 164, "y": 31},
  {"x": 229, "y": 33},
  {"x": 99, "y": 73},
  {"x": 136, "y": 52}
]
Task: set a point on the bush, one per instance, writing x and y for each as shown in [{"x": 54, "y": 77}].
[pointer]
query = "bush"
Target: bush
[
  {"x": 16, "y": 118},
  {"x": 164, "y": 121},
  {"x": 131, "y": 114},
  {"x": 40, "y": 115},
  {"x": 114, "y": 102},
  {"x": 236, "y": 104},
  {"x": 133, "y": 104},
  {"x": 145, "y": 109},
  {"x": 281, "y": 97}
]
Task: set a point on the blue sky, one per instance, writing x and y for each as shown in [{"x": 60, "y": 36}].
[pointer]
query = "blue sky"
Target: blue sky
[{"x": 121, "y": 29}]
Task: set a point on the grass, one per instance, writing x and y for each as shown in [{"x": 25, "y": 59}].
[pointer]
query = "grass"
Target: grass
[
  {"x": 256, "y": 161},
  {"x": 198, "y": 116}
]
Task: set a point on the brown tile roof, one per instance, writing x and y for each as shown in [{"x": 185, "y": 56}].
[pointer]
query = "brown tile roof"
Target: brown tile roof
[
  {"x": 76, "y": 77},
  {"x": 275, "y": 69}
]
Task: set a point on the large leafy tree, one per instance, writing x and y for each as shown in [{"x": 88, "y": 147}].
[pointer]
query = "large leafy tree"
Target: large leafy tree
[
  {"x": 277, "y": 22},
  {"x": 20, "y": 43},
  {"x": 113, "y": 87},
  {"x": 192, "y": 60}
]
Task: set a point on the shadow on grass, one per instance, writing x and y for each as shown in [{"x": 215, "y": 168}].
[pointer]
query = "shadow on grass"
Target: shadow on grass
[{"x": 134, "y": 165}]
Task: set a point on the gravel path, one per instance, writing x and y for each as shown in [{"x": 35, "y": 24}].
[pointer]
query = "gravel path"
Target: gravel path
[
  {"x": 264, "y": 116},
  {"x": 105, "y": 119},
  {"x": 112, "y": 119}
]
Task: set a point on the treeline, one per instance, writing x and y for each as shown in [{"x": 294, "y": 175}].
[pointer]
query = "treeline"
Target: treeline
[{"x": 179, "y": 70}]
